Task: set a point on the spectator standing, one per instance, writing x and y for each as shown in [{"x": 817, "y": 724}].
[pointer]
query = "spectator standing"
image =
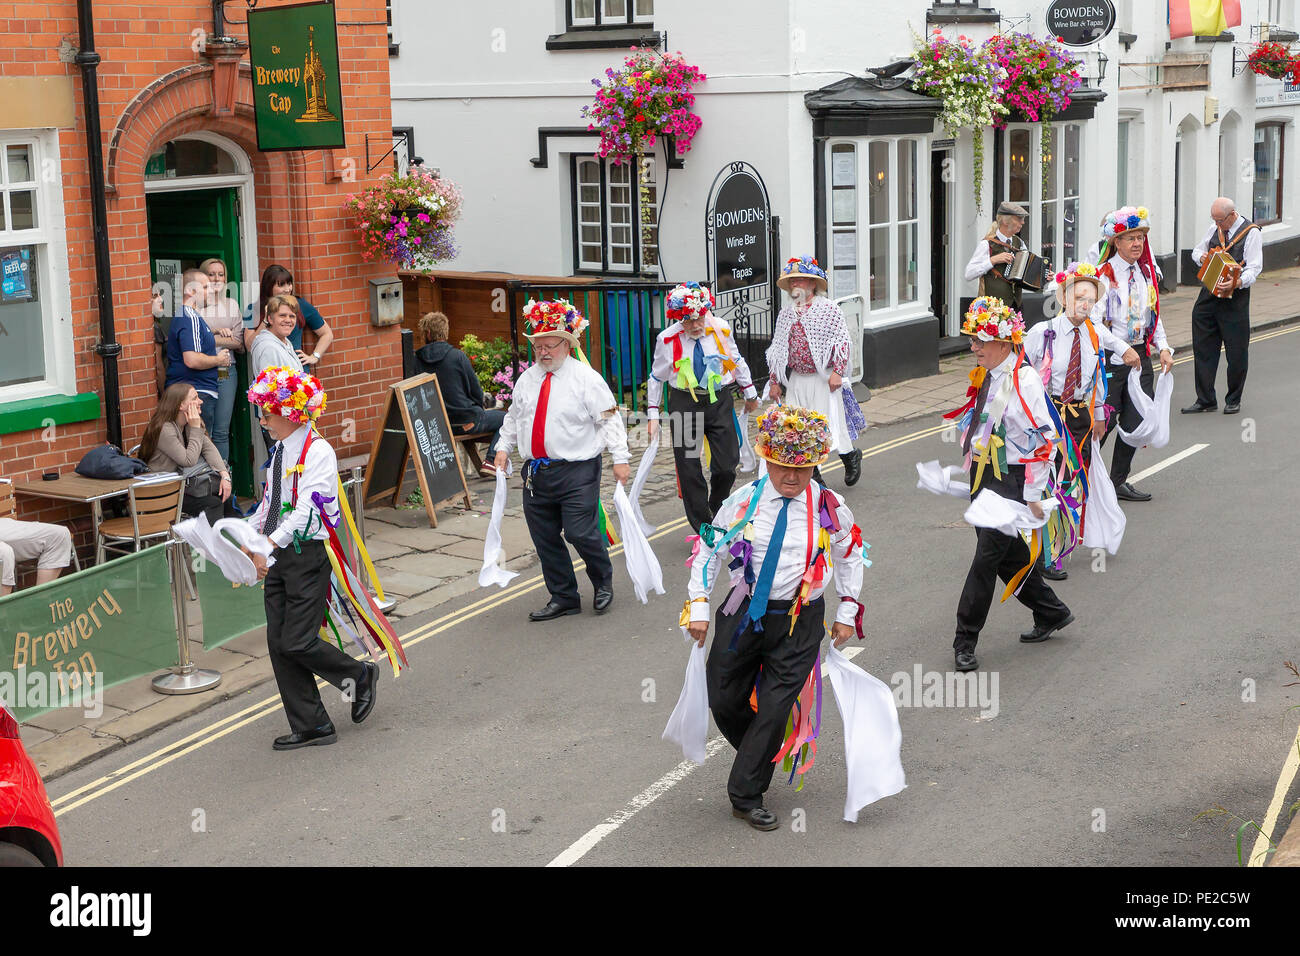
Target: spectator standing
[
  {"x": 159, "y": 313},
  {"x": 226, "y": 322},
  {"x": 277, "y": 280},
  {"x": 192, "y": 353},
  {"x": 271, "y": 346}
]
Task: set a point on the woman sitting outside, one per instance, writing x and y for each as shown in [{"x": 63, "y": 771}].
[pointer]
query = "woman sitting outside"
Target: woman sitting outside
[
  {"x": 461, "y": 391},
  {"x": 175, "y": 440}
]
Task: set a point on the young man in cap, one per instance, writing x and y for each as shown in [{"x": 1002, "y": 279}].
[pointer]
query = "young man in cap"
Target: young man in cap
[
  {"x": 779, "y": 534},
  {"x": 562, "y": 416}
]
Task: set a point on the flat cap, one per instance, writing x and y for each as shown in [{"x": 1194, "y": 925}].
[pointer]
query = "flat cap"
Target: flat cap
[{"x": 1012, "y": 209}]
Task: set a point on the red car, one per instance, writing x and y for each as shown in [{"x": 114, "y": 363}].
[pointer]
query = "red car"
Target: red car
[{"x": 28, "y": 834}]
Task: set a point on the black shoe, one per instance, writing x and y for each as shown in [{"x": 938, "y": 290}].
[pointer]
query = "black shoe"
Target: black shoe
[
  {"x": 318, "y": 737},
  {"x": 366, "y": 692},
  {"x": 551, "y": 611},
  {"x": 1042, "y": 632},
  {"x": 965, "y": 660},
  {"x": 1053, "y": 574},
  {"x": 852, "y": 466},
  {"x": 817, "y": 476},
  {"x": 604, "y": 598},
  {"x": 1129, "y": 493},
  {"x": 1200, "y": 406},
  {"x": 1231, "y": 408},
  {"x": 760, "y": 818}
]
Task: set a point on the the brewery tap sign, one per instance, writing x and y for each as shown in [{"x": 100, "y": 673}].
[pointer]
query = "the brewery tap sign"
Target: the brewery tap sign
[
  {"x": 738, "y": 231},
  {"x": 1080, "y": 22},
  {"x": 297, "y": 96}
]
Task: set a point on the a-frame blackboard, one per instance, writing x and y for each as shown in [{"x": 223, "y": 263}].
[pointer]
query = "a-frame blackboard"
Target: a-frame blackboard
[{"x": 415, "y": 417}]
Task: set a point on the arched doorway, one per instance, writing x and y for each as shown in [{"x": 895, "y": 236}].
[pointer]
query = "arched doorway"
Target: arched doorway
[{"x": 199, "y": 205}]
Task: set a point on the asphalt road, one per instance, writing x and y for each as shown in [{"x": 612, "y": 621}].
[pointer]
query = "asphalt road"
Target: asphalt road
[{"x": 507, "y": 742}]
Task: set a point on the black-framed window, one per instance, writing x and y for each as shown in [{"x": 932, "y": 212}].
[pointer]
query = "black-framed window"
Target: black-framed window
[
  {"x": 607, "y": 14},
  {"x": 403, "y": 149},
  {"x": 394, "y": 41},
  {"x": 1270, "y": 157},
  {"x": 615, "y": 227}
]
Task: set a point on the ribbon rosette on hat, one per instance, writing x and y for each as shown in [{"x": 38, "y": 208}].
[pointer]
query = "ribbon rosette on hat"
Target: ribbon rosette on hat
[
  {"x": 282, "y": 391},
  {"x": 989, "y": 319},
  {"x": 688, "y": 301},
  {"x": 794, "y": 437},
  {"x": 553, "y": 318}
]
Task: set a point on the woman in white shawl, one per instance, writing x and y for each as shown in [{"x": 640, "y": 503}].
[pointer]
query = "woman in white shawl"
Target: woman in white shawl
[{"x": 809, "y": 357}]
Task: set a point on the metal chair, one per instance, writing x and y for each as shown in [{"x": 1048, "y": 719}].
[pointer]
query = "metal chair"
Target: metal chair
[{"x": 154, "y": 507}]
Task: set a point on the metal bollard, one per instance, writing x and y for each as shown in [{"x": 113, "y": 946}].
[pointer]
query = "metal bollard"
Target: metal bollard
[
  {"x": 186, "y": 677},
  {"x": 359, "y": 515}
]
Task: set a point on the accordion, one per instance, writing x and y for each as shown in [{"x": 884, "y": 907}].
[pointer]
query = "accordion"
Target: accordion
[
  {"x": 1216, "y": 265},
  {"x": 1026, "y": 269}
]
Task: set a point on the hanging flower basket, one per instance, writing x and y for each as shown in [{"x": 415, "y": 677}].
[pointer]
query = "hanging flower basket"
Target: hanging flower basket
[
  {"x": 1273, "y": 60},
  {"x": 650, "y": 97},
  {"x": 407, "y": 220}
]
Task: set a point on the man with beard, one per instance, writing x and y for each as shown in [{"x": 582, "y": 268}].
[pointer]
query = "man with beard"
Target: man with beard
[{"x": 697, "y": 357}]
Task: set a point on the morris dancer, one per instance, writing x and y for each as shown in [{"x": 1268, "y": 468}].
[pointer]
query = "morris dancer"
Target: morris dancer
[
  {"x": 561, "y": 418},
  {"x": 1132, "y": 311},
  {"x": 809, "y": 357},
  {"x": 784, "y": 533},
  {"x": 698, "y": 358},
  {"x": 999, "y": 247},
  {"x": 297, "y": 522},
  {"x": 1065, "y": 350},
  {"x": 1006, "y": 437}
]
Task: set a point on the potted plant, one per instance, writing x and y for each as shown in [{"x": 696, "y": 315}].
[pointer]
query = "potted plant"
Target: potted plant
[
  {"x": 1272, "y": 60},
  {"x": 407, "y": 220}
]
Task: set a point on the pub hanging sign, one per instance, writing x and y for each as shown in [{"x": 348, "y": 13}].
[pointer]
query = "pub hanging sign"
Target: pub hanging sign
[{"x": 297, "y": 96}]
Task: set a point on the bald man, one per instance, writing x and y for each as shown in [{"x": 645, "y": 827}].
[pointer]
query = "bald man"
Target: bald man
[{"x": 1223, "y": 319}]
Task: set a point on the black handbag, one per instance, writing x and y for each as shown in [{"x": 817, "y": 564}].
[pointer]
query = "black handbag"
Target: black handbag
[{"x": 108, "y": 462}]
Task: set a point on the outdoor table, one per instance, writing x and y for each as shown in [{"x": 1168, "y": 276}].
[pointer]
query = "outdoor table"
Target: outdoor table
[{"x": 76, "y": 488}]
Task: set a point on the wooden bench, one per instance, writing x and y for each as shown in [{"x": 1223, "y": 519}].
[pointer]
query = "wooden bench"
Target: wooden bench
[{"x": 469, "y": 444}]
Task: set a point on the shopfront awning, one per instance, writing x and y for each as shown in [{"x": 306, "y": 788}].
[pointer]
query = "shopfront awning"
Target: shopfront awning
[{"x": 858, "y": 106}]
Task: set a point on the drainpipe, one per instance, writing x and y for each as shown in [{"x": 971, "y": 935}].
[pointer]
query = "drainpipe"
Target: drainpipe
[{"x": 108, "y": 348}]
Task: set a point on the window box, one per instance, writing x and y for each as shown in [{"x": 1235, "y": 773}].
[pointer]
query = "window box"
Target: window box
[{"x": 32, "y": 414}]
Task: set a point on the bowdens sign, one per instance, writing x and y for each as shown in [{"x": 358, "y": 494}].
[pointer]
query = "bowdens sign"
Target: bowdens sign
[
  {"x": 1080, "y": 22},
  {"x": 297, "y": 96}
]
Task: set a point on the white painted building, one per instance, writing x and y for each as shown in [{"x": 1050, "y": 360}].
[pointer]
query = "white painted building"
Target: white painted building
[{"x": 853, "y": 167}]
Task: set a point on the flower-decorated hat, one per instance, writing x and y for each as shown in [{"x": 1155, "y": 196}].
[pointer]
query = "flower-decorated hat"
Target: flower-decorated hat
[
  {"x": 1126, "y": 219},
  {"x": 554, "y": 318},
  {"x": 1078, "y": 272},
  {"x": 281, "y": 391},
  {"x": 794, "y": 437},
  {"x": 990, "y": 319},
  {"x": 688, "y": 301},
  {"x": 802, "y": 266}
]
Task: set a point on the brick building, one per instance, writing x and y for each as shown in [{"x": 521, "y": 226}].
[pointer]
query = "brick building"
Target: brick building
[{"x": 184, "y": 180}]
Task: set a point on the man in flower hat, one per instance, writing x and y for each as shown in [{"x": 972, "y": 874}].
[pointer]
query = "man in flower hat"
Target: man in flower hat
[
  {"x": 1007, "y": 439},
  {"x": 1131, "y": 309},
  {"x": 809, "y": 357},
  {"x": 1065, "y": 351},
  {"x": 562, "y": 416},
  {"x": 697, "y": 358},
  {"x": 785, "y": 537},
  {"x": 303, "y": 473}
]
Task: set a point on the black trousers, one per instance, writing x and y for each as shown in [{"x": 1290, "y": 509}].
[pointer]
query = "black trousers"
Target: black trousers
[
  {"x": 297, "y": 588},
  {"x": 692, "y": 421},
  {"x": 1221, "y": 322},
  {"x": 562, "y": 496},
  {"x": 1125, "y": 414},
  {"x": 1000, "y": 556},
  {"x": 785, "y": 660}
]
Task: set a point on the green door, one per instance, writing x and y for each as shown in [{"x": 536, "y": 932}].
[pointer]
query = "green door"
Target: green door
[{"x": 185, "y": 228}]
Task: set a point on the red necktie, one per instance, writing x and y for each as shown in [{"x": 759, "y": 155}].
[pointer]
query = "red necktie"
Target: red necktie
[
  {"x": 1073, "y": 372},
  {"x": 539, "y": 421}
]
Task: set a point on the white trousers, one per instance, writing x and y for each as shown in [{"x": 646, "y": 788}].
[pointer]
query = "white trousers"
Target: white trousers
[
  {"x": 813, "y": 392},
  {"x": 49, "y": 545}
]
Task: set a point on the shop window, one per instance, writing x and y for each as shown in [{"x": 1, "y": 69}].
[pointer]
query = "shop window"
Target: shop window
[
  {"x": 1044, "y": 178},
  {"x": 614, "y": 228},
  {"x": 35, "y": 343},
  {"x": 1269, "y": 155}
]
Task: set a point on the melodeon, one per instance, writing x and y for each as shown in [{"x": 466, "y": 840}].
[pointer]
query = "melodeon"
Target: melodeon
[{"x": 1027, "y": 269}]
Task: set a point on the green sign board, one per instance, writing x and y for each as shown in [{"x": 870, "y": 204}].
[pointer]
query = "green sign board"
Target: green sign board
[{"x": 297, "y": 96}]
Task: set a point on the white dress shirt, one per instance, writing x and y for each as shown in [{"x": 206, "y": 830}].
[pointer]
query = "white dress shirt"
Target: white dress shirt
[
  {"x": 1021, "y": 441},
  {"x": 1252, "y": 248},
  {"x": 582, "y": 418},
  {"x": 1035, "y": 345},
  {"x": 320, "y": 473},
  {"x": 661, "y": 366},
  {"x": 981, "y": 262},
  {"x": 846, "y": 570},
  {"x": 1118, "y": 323}
]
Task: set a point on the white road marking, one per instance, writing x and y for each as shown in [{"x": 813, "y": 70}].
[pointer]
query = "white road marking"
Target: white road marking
[
  {"x": 1258, "y": 854},
  {"x": 1161, "y": 465}
]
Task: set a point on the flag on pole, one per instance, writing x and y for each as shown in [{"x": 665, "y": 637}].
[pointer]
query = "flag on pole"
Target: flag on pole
[{"x": 1204, "y": 18}]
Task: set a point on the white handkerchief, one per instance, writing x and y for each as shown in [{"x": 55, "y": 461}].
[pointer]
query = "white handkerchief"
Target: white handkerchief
[
  {"x": 642, "y": 565},
  {"x": 991, "y": 510},
  {"x": 491, "y": 572},
  {"x": 688, "y": 726},
  {"x": 642, "y": 473},
  {"x": 939, "y": 480},
  {"x": 748, "y": 460},
  {"x": 1153, "y": 430},
  {"x": 212, "y": 543},
  {"x": 1103, "y": 519},
  {"x": 873, "y": 739}
]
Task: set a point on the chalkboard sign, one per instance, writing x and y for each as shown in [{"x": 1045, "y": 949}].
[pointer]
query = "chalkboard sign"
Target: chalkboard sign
[{"x": 416, "y": 418}]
